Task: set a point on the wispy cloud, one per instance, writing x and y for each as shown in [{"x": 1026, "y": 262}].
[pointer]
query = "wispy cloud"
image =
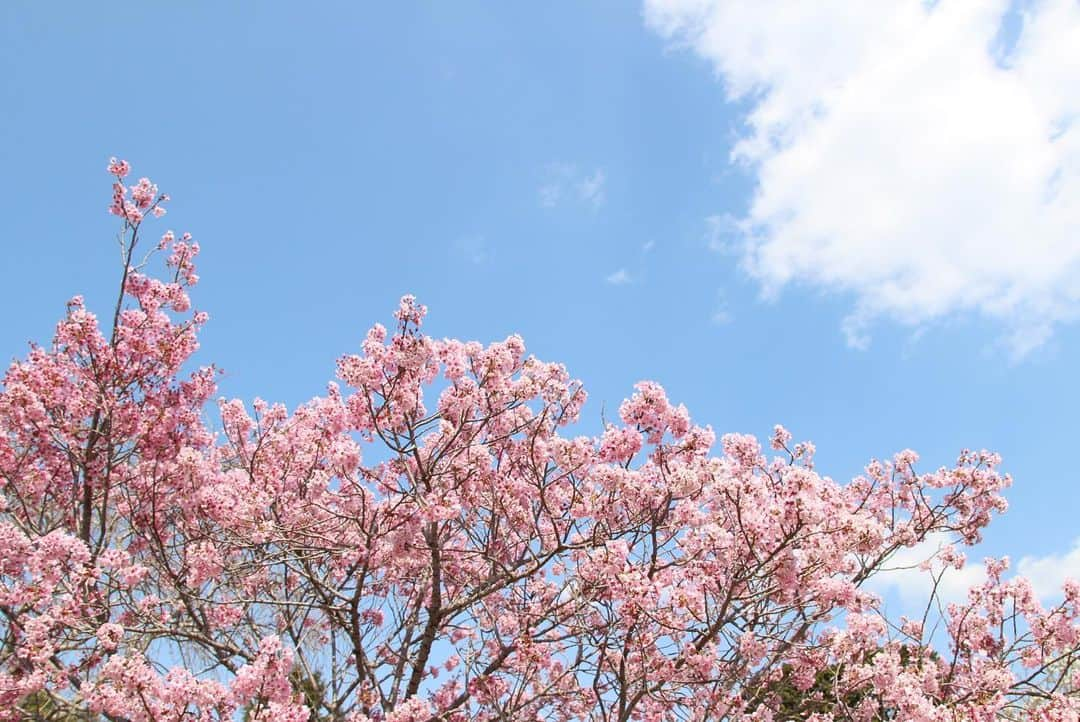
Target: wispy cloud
[
  {"x": 565, "y": 182},
  {"x": 721, "y": 316},
  {"x": 923, "y": 164},
  {"x": 623, "y": 276},
  {"x": 550, "y": 195},
  {"x": 473, "y": 248},
  {"x": 721, "y": 313},
  {"x": 591, "y": 188}
]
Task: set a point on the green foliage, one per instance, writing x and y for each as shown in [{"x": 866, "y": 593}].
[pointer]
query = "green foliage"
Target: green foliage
[
  {"x": 830, "y": 693},
  {"x": 314, "y": 692},
  {"x": 43, "y": 707}
]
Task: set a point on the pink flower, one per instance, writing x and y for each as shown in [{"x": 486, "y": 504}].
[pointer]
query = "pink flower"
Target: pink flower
[
  {"x": 119, "y": 168},
  {"x": 110, "y": 635},
  {"x": 443, "y": 512}
]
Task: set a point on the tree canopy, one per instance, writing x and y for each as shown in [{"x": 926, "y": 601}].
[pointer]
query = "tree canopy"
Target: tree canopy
[{"x": 438, "y": 538}]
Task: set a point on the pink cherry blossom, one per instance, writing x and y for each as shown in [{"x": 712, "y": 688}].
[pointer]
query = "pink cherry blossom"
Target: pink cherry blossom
[{"x": 439, "y": 538}]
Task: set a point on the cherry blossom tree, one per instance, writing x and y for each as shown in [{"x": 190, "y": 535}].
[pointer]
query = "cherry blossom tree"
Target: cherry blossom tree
[{"x": 435, "y": 538}]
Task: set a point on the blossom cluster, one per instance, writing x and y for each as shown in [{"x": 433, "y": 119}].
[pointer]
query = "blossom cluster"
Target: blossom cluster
[{"x": 433, "y": 540}]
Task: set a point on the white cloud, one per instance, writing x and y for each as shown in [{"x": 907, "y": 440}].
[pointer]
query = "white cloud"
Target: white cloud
[
  {"x": 473, "y": 248},
  {"x": 550, "y": 194},
  {"x": 912, "y": 586},
  {"x": 1048, "y": 573},
  {"x": 564, "y": 181},
  {"x": 623, "y": 276},
  {"x": 904, "y": 153},
  {"x": 591, "y": 188},
  {"x": 722, "y": 315}
]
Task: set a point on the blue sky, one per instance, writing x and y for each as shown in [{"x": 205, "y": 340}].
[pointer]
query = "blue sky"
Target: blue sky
[{"x": 632, "y": 189}]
